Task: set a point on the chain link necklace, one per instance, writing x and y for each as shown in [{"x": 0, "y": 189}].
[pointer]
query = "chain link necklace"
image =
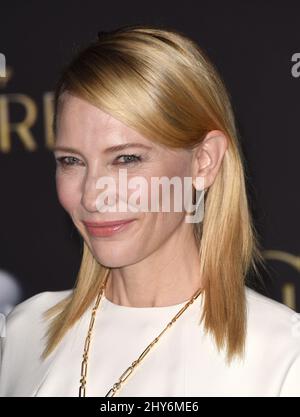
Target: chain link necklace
[{"x": 128, "y": 372}]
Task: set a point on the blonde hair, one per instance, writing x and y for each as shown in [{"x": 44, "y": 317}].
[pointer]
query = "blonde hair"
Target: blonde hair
[{"x": 160, "y": 83}]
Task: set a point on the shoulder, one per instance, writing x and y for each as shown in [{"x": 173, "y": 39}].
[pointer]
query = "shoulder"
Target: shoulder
[
  {"x": 266, "y": 313},
  {"x": 28, "y": 316},
  {"x": 271, "y": 319},
  {"x": 259, "y": 301},
  {"x": 30, "y": 312},
  {"x": 273, "y": 332},
  {"x": 22, "y": 340},
  {"x": 34, "y": 307}
]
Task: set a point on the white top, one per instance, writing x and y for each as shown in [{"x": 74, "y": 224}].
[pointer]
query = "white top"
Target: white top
[{"x": 184, "y": 362}]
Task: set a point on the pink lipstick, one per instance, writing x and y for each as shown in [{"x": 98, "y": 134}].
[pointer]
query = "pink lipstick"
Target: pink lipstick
[{"x": 105, "y": 229}]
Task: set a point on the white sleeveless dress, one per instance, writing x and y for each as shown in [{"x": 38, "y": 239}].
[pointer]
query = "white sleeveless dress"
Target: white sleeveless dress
[{"x": 184, "y": 362}]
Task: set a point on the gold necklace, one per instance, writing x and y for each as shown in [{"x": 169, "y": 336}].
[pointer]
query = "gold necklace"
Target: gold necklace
[{"x": 125, "y": 375}]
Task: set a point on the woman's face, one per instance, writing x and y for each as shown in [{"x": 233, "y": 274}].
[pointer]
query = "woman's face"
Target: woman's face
[{"x": 88, "y": 133}]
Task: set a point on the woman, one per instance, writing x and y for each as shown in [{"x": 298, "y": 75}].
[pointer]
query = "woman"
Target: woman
[{"x": 148, "y": 102}]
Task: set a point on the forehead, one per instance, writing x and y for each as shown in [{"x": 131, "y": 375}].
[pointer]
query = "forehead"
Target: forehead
[{"x": 81, "y": 121}]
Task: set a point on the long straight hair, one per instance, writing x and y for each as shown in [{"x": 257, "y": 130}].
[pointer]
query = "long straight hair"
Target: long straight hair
[{"x": 159, "y": 82}]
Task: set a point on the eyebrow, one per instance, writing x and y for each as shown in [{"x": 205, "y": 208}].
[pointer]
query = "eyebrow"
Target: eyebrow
[{"x": 111, "y": 149}]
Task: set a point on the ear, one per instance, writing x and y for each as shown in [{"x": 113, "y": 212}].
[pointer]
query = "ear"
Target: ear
[{"x": 207, "y": 158}]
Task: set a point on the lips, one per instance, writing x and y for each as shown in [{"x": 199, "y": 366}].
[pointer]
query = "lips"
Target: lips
[
  {"x": 107, "y": 224},
  {"x": 105, "y": 229}
]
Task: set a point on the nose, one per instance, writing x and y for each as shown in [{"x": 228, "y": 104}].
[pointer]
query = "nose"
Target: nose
[
  {"x": 99, "y": 193},
  {"x": 89, "y": 193}
]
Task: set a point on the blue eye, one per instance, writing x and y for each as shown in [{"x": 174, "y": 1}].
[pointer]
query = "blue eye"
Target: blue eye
[
  {"x": 130, "y": 159},
  {"x": 67, "y": 160}
]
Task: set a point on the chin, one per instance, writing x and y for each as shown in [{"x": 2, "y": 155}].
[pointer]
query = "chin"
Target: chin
[
  {"x": 114, "y": 257},
  {"x": 112, "y": 263}
]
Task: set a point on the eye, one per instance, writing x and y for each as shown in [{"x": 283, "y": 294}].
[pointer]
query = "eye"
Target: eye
[
  {"x": 129, "y": 159},
  {"x": 66, "y": 161}
]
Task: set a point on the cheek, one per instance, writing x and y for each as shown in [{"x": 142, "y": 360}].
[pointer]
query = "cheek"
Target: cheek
[
  {"x": 158, "y": 191},
  {"x": 67, "y": 192},
  {"x": 169, "y": 190},
  {"x": 155, "y": 230}
]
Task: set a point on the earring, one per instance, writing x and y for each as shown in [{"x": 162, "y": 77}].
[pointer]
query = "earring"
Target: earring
[{"x": 198, "y": 198}]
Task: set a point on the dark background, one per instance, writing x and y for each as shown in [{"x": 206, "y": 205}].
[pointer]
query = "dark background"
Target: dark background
[{"x": 250, "y": 42}]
